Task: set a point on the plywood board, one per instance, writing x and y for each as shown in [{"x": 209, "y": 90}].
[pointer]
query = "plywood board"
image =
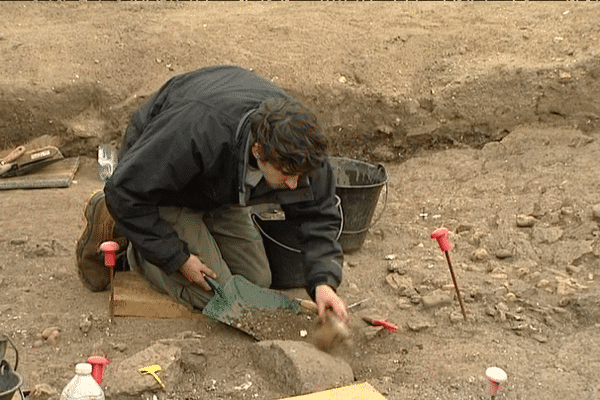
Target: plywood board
[
  {"x": 361, "y": 391},
  {"x": 56, "y": 175},
  {"x": 136, "y": 297}
]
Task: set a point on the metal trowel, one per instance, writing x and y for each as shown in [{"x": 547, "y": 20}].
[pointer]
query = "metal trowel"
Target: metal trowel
[{"x": 239, "y": 302}]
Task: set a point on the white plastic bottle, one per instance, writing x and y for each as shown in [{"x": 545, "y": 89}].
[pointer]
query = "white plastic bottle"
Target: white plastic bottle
[{"x": 83, "y": 386}]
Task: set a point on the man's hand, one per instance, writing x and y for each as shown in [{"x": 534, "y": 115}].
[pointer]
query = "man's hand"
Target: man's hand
[
  {"x": 325, "y": 298},
  {"x": 194, "y": 270}
]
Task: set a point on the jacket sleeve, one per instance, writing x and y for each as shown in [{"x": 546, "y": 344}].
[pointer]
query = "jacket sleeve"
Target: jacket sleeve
[
  {"x": 164, "y": 159},
  {"x": 319, "y": 222}
]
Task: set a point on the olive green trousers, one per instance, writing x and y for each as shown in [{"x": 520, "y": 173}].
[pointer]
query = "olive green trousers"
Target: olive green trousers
[{"x": 225, "y": 239}]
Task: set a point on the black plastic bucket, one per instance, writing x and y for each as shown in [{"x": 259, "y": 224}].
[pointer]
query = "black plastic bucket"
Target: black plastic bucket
[
  {"x": 10, "y": 381},
  {"x": 358, "y": 185},
  {"x": 281, "y": 238}
]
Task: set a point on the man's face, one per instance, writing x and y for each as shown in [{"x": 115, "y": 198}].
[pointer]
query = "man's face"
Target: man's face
[{"x": 277, "y": 179}]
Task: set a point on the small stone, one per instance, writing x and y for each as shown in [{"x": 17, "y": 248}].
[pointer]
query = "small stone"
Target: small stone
[
  {"x": 463, "y": 228},
  {"x": 550, "y": 321},
  {"x": 417, "y": 325},
  {"x": 85, "y": 325},
  {"x": 436, "y": 300},
  {"x": 539, "y": 337},
  {"x": 403, "y": 283},
  {"x": 572, "y": 269},
  {"x": 525, "y": 221},
  {"x": 510, "y": 297},
  {"x": 38, "y": 343},
  {"x": 503, "y": 253},
  {"x": 542, "y": 283},
  {"x": 120, "y": 347},
  {"x": 49, "y": 331},
  {"x": 563, "y": 302},
  {"x": 19, "y": 240},
  {"x": 392, "y": 280},
  {"x": 596, "y": 212},
  {"x": 398, "y": 267},
  {"x": 547, "y": 234},
  {"x": 522, "y": 272},
  {"x": 404, "y": 304},
  {"x": 53, "y": 338},
  {"x": 456, "y": 316},
  {"x": 513, "y": 316},
  {"x": 479, "y": 254},
  {"x": 385, "y": 129}
]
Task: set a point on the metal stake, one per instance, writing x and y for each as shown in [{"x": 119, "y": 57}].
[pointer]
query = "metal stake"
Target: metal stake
[
  {"x": 445, "y": 246},
  {"x": 109, "y": 249}
]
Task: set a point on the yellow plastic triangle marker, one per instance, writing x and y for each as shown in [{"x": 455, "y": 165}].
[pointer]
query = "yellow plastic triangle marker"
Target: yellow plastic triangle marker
[{"x": 152, "y": 370}]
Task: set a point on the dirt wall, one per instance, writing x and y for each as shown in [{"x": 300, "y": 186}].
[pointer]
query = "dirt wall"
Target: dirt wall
[{"x": 386, "y": 81}]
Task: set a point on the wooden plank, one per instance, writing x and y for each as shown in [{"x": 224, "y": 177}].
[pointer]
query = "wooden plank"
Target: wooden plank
[
  {"x": 361, "y": 391},
  {"x": 136, "y": 297},
  {"x": 56, "y": 175}
]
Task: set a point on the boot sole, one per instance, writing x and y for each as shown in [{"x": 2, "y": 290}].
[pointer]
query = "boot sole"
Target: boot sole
[
  {"x": 89, "y": 215},
  {"x": 85, "y": 236}
]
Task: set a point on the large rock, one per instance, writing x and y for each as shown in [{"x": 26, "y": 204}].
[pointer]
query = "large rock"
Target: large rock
[
  {"x": 299, "y": 367},
  {"x": 124, "y": 378}
]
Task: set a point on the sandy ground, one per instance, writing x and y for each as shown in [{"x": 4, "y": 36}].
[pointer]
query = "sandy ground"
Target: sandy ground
[{"x": 486, "y": 117}]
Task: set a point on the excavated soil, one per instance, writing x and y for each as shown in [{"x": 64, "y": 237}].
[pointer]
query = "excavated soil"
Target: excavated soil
[{"x": 486, "y": 117}]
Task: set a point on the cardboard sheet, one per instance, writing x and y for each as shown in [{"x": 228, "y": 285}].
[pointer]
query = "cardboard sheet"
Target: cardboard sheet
[{"x": 361, "y": 391}]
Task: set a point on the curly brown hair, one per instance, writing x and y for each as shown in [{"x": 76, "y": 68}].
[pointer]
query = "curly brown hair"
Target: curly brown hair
[{"x": 289, "y": 135}]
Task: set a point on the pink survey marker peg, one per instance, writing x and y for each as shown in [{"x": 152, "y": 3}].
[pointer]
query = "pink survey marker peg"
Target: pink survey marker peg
[
  {"x": 98, "y": 363},
  {"x": 110, "y": 249},
  {"x": 441, "y": 235},
  {"x": 495, "y": 377}
]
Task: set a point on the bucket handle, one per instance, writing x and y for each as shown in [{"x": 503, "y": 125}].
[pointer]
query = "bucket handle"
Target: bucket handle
[
  {"x": 14, "y": 348},
  {"x": 385, "y": 199},
  {"x": 338, "y": 205}
]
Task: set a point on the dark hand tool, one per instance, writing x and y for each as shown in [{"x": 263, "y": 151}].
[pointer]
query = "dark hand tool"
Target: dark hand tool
[
  {"x": 380, "y": 322},
  {"x": 13, "y": 155},
  {"x": 30, "y": 161}
]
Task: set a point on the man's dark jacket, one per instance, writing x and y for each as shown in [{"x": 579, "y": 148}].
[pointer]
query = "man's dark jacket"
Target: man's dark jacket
[{"x": 188, "y": 146}]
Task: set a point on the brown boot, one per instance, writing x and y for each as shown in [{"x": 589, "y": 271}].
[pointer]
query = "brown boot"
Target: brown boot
[{"x": 90, "y": 260}]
